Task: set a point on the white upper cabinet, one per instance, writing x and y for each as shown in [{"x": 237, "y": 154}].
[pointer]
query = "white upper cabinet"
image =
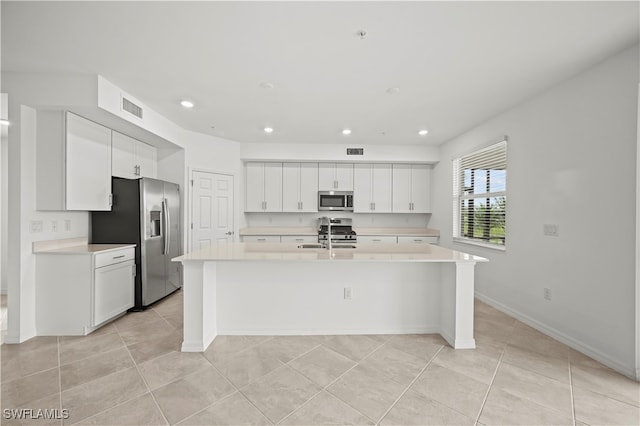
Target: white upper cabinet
[
  {"x": 372, "y": 188},
  {"x": 335, "y": 177},
  {"x": 73, "y": 163},
  {"x": 132, "y": 158},
  {"x": 263, "y": 187},
  {"x": 300, "y": 187},
  {"x": 411, "y": 183}
]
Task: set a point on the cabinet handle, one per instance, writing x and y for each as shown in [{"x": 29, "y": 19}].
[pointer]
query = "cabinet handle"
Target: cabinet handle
[
  {"x": 335, "y": 184},
  {"x": 118, "y": 257},
  {"x": 110, "y": 200},
  {"x": 374, "y": 206},
  {"x": 262, "y": 239}
]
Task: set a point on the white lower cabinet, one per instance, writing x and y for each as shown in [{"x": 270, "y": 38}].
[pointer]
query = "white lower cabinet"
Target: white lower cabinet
[
  {"x": 377, "y": 239},
  {"x": 417, "y": 240},
  {"x": 261, "y": 239},
  {"x": 77, "y": 292},
  {"x": 300, "y": 239}
]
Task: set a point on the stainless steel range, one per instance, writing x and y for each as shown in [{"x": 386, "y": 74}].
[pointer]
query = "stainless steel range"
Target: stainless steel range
[{"x": 340, "y": 230}]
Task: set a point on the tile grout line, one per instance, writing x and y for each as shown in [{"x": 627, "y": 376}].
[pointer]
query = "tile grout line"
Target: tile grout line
[
  {"x": 59, "y": 379},
  {"x": 493, "y": 378},
  {"x": 409, "y": 385},
  {"x": 144, "y": 381},
  {"x": 325, "y": 388},
  {"x": 235, "y": 387},
  {"x": 573, "y": 402}
]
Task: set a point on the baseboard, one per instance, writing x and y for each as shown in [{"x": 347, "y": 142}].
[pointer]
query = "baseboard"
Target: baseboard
[
  {"x": 561, "y": 337},
  {"x": 325, "y": 332}
]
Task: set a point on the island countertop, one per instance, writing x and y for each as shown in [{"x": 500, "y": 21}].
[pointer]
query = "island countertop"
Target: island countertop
[{"x": 362, "y": 252}]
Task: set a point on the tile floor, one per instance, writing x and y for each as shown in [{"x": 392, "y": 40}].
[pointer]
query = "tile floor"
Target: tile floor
[{"x": 132, "y": 373}]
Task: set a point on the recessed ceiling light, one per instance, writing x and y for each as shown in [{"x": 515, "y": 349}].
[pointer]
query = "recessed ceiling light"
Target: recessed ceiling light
[
  {"x": 268, "y": 130},
  {"x": 393, "y": 90},
  {"x": 4, "y": 122},
  {"x": 187, "y": 104},
  {"x": 423, "y": 132},
  {"x": 266, "y": 85},
  {"x": 346, "y": 132}
]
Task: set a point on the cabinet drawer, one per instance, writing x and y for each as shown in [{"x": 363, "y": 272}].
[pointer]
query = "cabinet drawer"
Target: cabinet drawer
[
  {"x": 114, "y": 291},
  {"x": 115, "y": 256},
  {"x": 377, "y": 239},
  {"x": 261, "y": 239},
  {"x": 417, "y": 240},
  {"x": 299, "y": 239}
]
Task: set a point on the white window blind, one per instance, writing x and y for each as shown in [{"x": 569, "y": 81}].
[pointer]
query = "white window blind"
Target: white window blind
[{"x": 480, "y": 196}]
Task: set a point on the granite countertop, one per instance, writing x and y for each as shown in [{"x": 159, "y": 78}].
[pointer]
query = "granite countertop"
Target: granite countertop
[{"x": 363, "y": 252}]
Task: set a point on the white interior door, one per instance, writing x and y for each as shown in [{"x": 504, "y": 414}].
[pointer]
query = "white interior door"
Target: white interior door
[{"x": 212, "y": 209}]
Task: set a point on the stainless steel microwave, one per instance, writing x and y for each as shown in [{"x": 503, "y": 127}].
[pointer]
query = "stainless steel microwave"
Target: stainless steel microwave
[{"x": 335, "y": 201}]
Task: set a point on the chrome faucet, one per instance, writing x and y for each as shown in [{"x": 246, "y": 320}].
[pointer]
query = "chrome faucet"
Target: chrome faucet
[{"x": 327, "y": 244}]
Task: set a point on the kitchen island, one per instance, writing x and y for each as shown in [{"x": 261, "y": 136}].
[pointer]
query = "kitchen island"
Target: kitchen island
[{"x": 284, "y": 289}]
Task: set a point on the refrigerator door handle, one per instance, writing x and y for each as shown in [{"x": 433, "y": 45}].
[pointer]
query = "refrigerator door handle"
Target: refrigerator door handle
[{"x": 165, "y": 230}]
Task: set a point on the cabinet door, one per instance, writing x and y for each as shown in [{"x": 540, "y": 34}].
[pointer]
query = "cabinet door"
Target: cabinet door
[
  {"x": 326, "y": 177},
  {"x": 335, "y": 176},
  {"x": 362, "y": 188},
  {"x": 88, "y": 165},
  {"x": 420, "y": 188},
  {"x": 273, "y": 187},
  {"x": 146, "y": 160},
  {"x": 291, "y": 187},
  {"x": 113, "y": 291},
  {"x": 254, "y": 187},
  {"x": 401, "y": 188},
  {"x": 123, "y": 162},
  {"x": 381, "y": 188},
  {"x": 344, "y": 176},
  {"x": 309, "y": 187}
]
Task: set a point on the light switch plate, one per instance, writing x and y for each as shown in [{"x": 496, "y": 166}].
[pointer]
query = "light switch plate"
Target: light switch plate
[
  {"x": 551, "y": 230},
  {"x": 36, "y": 226}
]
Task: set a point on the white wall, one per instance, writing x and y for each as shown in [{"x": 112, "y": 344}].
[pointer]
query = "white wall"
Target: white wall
[
  {"x": 4, "y": 152},
  {"x": 337, "y": 152},
  {"x": 571, "y": 162}
]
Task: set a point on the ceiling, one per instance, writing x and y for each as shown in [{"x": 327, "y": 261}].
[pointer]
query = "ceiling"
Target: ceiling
[{"x": 441, "y": 66}]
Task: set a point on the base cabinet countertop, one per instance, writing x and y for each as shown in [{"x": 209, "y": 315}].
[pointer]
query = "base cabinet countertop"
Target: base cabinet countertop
[{"x": 81, "y": 287}]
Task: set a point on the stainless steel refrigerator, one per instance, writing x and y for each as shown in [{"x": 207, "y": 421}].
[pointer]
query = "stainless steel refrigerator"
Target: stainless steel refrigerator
[{"x": 145, "y": 212}]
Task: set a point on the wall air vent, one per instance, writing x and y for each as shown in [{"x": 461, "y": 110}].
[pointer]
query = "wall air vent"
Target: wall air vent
[
  {"x": 131, "y": 108},
  {"x": 355, "y": 151}
]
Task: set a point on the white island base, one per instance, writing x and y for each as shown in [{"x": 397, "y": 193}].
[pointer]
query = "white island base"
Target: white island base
[{"x": 280, "y": 289}]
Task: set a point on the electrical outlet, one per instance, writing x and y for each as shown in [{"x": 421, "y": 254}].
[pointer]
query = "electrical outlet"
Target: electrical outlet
[
  {"x": 547, "y": 294},
  {"x": 36, "y": 226},
  {"x": 67, "y": 224},
  {"x": 347, "y": 293},
  {"x": 551, "y": 230}
]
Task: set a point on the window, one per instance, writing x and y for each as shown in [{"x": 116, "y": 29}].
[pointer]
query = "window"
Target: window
[{"x": 480, "y": 196}]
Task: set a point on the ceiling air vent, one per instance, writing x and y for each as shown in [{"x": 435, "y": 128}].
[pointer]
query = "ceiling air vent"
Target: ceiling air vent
[
  {"x": 131, "y": 108},
  {"x": 355, "y": 151}
]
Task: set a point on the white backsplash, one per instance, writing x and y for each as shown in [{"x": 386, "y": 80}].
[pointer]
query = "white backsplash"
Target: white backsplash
[{"x": 364, "y": 220}]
